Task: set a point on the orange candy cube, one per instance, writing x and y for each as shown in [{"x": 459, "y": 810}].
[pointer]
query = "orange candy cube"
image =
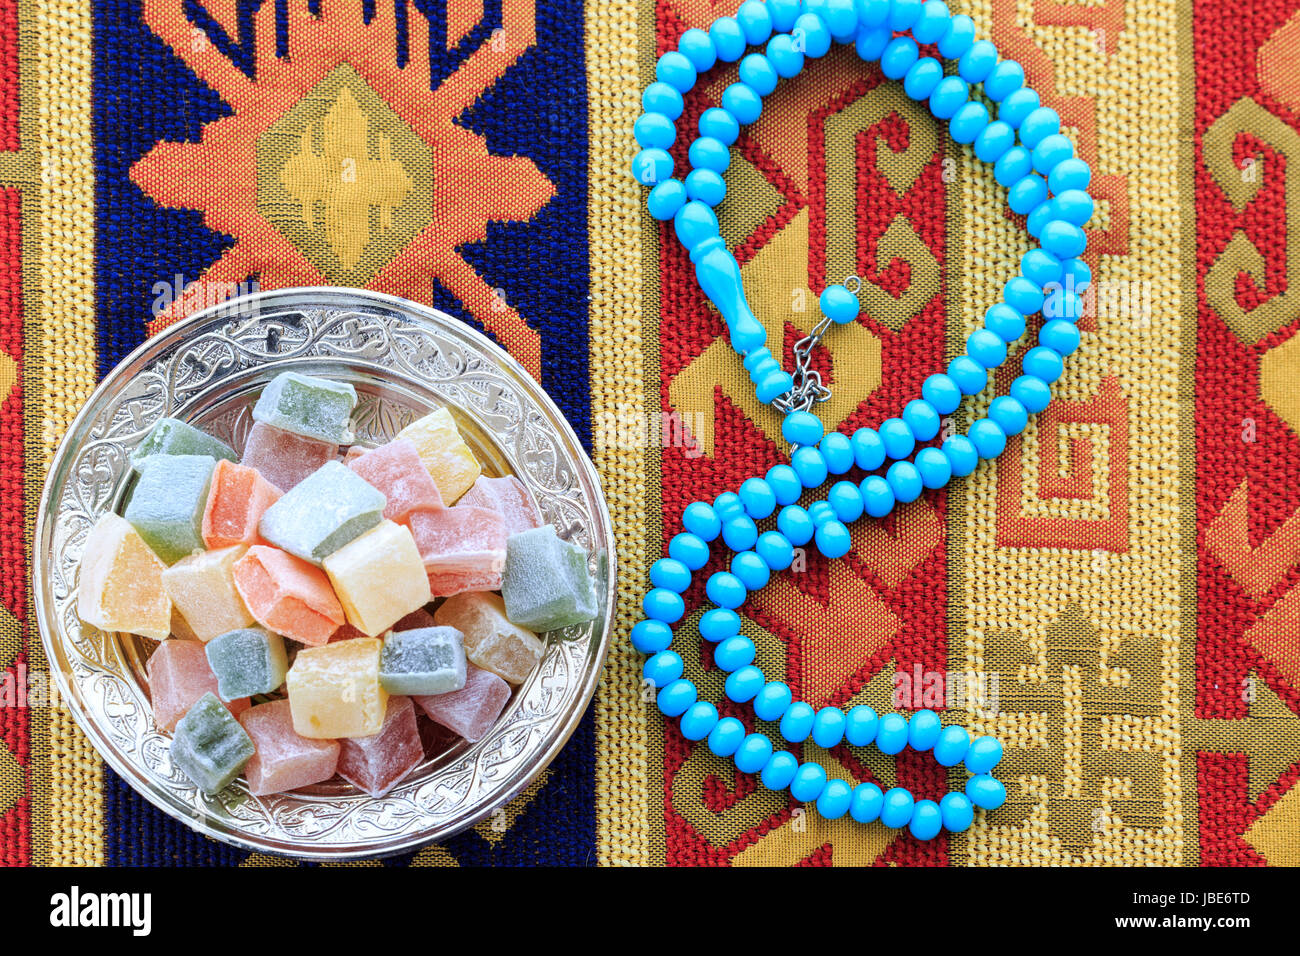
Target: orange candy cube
[
  {"x": 238, "y": 496},
  {"x": 287, "y": 595}
]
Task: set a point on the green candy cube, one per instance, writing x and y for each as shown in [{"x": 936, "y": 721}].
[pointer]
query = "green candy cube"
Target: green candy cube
[
  {"x": 210, "y": 746},
  {"x": 308, "y": 406},
  {"x": 248, "y": 661},
  {"x": 166, "y": 507},
  {"x": 427, "y": 660},
  {"x": 323, "y": 512},
  {"x": 546, "y": 583},
  {"x": 171, "y": 436}
]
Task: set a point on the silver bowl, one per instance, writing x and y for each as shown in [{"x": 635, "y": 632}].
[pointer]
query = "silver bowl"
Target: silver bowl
[{"x": 404, "y": 360}]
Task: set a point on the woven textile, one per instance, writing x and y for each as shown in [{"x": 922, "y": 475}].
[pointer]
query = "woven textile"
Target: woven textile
[{"x": 1117, "y": 597}]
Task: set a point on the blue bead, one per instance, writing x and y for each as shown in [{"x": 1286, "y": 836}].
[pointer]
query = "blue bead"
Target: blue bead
[
  {"x": 727, "y": 506},
  {"x": 758, "y": 498},
  {"x": 652, "y": 166},
  {"x": 671, "y": 574},
  {"x": 1017, "y": 105},
  {"x": 757, "y": 72},
  {"x": 1040, "y": 216},
  {"x": 796, "y": 525},
  {"x": 1024, "y": 195},
  {"x": 958, "y": 39},
  {"x": 957, "y": 811},
  {"x": 709, "y": 153},
  {"x": 821, "y": 512},
  {"x": 923, "y": 729},
  {"x": 1003, "y": 80},
  {"x": 986, "y": 792},
  {"x": 772, "y": 701},
  {"x": 666, "y": 199},
  {"x": 725, "y": 737},
  {"x": 933, "y": 467},
  {"x": 860, "y": 725},
  {"x": 690, "y": 550},
  {"x": 754, "y": 751},
  {"x": 779, "y": 770},
  {"x": 871, "y": 43},
  {"x": 1043, "y": 363},
  {"x": 1038, "y": 125},
  {"x": 802, "y": 428},
  {"x": 734, "y": 653},
  {"x": 877, "y": 496},
  {"x": 968, "y": 122},
  {"x": 797, "y": 722},
  {"x": 834, "y": 800},
  {"x": 697, "y": 47},
  {"x": 1014, "y": 165},
  {"x": 970, "y": 375},
  {"x": 1073, "y": 205},
  {"x": 718, "y": 624},
  {"x": 828, "y": 727},
  {"x": 651, "y": 636},
  {"x": 728, "y": 39},
  {"x": 896, "y": 811},
  {"x": 694, "y": 223},
  {"x": 740, "y": 533},
  {"x": 718, "y": 124},
  {"x": 1022, "y": 295},
  {"x": 744, "y": 684},
  {"x": 933, "y": 22},
  {"x": 983, "y": 754},
  {"x": 978, "y": 61},
  {"x": 838, "y": 304},
  {"x": 840, "y": 18},
  {"x": 1004, "y": 322},
  {"x": 941, "y": 391},
  {"x": 706, "y": 186},
  {"x": 950, "y": 749},
  {"x": 810, "y": 465},
  {"x": 898, "y": 56},
  {"x": 808, "y": 783},
  {"x": 833, "y": 539},
  {"x": 699, "y": 720},
  {"x": 922, "y": 77},
  {"x": 654, "y": 130},
  {"x": 700, "y": 519},
  {"x": 784, "y": 13},
  {"x": 755, "y": 21},
  {"x": 961, "y": 454},
  {"x": 927, "y": 820},
  {"x": 922, "y": 418},
  {"x": 846, "y": 500},
  {"x": 948, "y": 96},
  {"x": 898, "y": 437},
  {"x": 905, "y": 481},
  {"x": 676, "y": 697},
  {"x": 1040, "y": 268},
  {"x": 1051, "y": 151},
  {"x": 1031, "y": 392},
  {"x": 786, "y": 58},
  {"x": 775, "y": 549},
  {"x": 987, "y": 437},
  {"x": 661, "y": 604},
  {"x": 838, "y": 452},
  {"x": 810, "y": 31},
  {"x": 676, "y": 70},
  {"x": 662, "y": 98},
  {"x": 904, "y": 13},
  {"x": 1075, "y": 275},
  {"x": 872, "y": 13},
  {"x": 868, "y": 449},
  {"x": 994, "y": 140},
  {"x": 986, "y": 348},
  {"x": 785, "y": 484},
  {"x": 1060, "y": 336},
  {"x": 725, "y": 590},
  {"x": 742, "y": 102},
  {"x": 1069, "y": 174},
  {"x": 868, "y": 799},
  {"x": 891, "y": 735},
  {"x": 1009, "y": 414},
  {"x": 751, "y": 569},
  {"x": 1063, "y": 239}
]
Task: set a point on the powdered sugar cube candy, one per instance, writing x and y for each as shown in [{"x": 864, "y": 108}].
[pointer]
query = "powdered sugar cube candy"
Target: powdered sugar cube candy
[
  {"x": 171, "y": 436},
  {"x": 397, "y": 471},
  {"x": 353, "y": 453},
  {"x": 202, "y": 588},
  {"x": 120, "y": 586},
  {"x": 462, "y": 540},
  {"x": 287, "y": 595},
  {"x": 510, "y": 497},
  {"x": 285, "y": 760},
  {"x": 248, "y": 661},
  {"x": 430, "y": 660},
  {"x": 546, "y": 583},
  {"x": 334, "y": 690},
  {"x": 491, "y": 641},
  {"x": 166, "y": 506},
  {"x": 238, "y": 498},
  {"x": 472, "y": 710},
  {"x": 378, "y": 763},
  {"x": 210, "y": 746},
  {"x": 283, "y": 458},
  {"x": 448, "y": 459},
  {"x": 379, "y": 578},
  {"x": 446, "y": 583},
  {"x": 179, "y": 674},
  {"x": 308, "y": 406},
  {"x": 324, "y": 512},
  {"x": 418, "y": 618}
]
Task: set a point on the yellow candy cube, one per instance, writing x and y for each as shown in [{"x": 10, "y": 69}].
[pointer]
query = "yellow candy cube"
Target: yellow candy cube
[
  {"x": 121, "y": 586},
  {"x": 202, "y": 588},
  {"x": 379, "y": 578},
  {"x": 449, "y": 460},
  {"x": 491, "y": 641},
  {"x": 334, "y": 690}
]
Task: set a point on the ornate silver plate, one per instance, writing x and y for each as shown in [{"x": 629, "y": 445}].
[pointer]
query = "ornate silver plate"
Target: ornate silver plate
[{"x": 403, "y": 360}]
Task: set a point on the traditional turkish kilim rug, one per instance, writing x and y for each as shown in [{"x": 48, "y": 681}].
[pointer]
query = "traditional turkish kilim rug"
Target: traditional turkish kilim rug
[{"x": 1117, "y": 597}]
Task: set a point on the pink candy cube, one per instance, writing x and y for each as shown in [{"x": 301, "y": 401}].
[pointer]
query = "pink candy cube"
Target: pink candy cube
[
  {"x": 447, "y": 583},
  {"x": 472, "y": 710},
  {"x": 179, "y": 675},
  {"x": 378, "y": 763},
  {"x": 462, "y": 540},
  {"x": 397, "y": 471},
  {"x": 510, "y": 497},
  {"x": 284, "y": 459},
  {"x": 284, "y": 760}
]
